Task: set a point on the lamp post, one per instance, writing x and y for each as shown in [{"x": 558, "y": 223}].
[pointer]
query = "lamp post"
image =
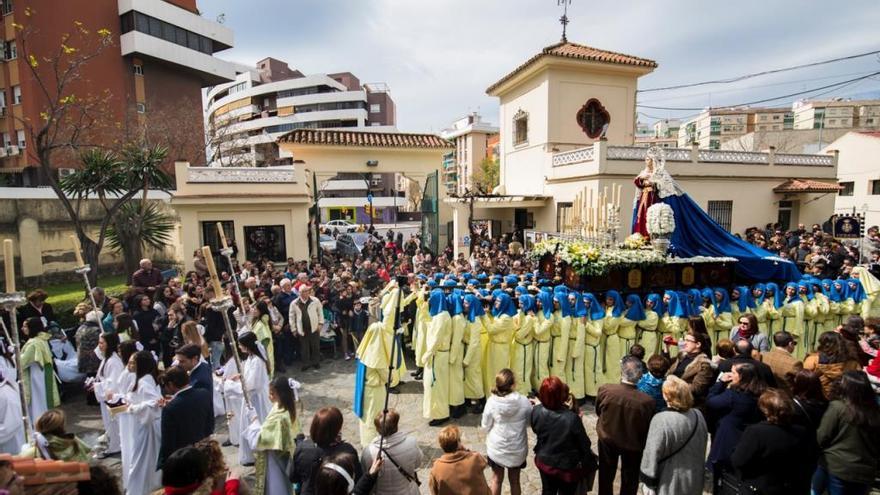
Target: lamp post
[{"x": 367, "y": 176}]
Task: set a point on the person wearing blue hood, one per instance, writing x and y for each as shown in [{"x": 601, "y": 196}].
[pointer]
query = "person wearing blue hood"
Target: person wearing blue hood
[
  {"x": 595, "y": 317},
  {"x": 792, "y": 312},
  {"x": 455, "y": 305},
  {"x": 421, "y": 324},
  {"x": 612, "y": 352},
  {"x": 626, "y": 331},
  {"x": 543, "y": 326},
  {"x": 765, "y": 309},
  {"x": 559, "y": 333},
  {"x": 811, "y": 312},
  {"x": 823, "y": 313},
  {"x": 523, "y": 353},
  {"x": 833, "y": 290},
  {"x": 774, "y": 296},
  {"x": 722, "y": 321},
  {"x": 649, "y": 329},
  {"x": 500, "y": 332},
  {"x": 675, "y": 320},
  {"x": 436, "y": 379},
  {"x": 574, "y": 364},
  {"x": 473, "y": 355}
]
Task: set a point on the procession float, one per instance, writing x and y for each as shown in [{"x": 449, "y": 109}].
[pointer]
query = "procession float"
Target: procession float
[{"x": 674, "y": 243}]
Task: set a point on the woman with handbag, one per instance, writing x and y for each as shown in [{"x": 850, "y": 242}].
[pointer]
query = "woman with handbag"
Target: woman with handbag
[
  {"x": 672, "y": 462},
  {"x": 563, "y": 453}
]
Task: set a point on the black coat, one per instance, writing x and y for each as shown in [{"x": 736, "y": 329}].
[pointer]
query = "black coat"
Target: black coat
[
  {"x": 763, "y": 371},
  {"x": 307, "y": 458},
  {"x": 734, "y": 411},
  {"x": 188, "y": 418},
  {"x": 201, "y": 377},
  {"x": 562, "y": 440},
  {"x": 776, "y": 460}
]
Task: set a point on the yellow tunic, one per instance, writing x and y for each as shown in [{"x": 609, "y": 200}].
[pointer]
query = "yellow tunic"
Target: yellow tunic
[
  {"x": 765, "y": 313},
  {"x": 423, "y": 320},
  {"x": 498, "y": 351},
  {"x": 592, "y": 356},
  {"x": 611, "y": 354},
  {"x": 792, "y": 313},
  {"x": 473, "y": 360},
  {"x": 674, "y": 326},
  {"x": 456, "y": 361},
  {"x": 833, "y": 319},
  {"x": 543, "y": 327},
  {"x": 436, "y": 377},
  {"x": 649, "y": 333},
  {"x": 522, "y": 352},
  {"x": 374, "y": 352},
  {"x": 721, "y": 327},
  {"x": 574, "y": 366},
  {"x": 626, "y": 332},
  {"x": 822, "y": 305},
  {"x": 559, "y": 335}
]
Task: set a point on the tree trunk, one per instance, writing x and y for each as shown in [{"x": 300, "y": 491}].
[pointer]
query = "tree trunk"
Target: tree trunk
[
  {"x": 132, "y": 253},
  {"x": 90, "y": 254}
]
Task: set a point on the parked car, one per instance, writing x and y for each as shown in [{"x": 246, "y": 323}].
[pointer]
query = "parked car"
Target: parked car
[
  {"x": 328, "y": 243},
  {"x": 351, "y": 244},
  {"x": 341, "y": 225}
]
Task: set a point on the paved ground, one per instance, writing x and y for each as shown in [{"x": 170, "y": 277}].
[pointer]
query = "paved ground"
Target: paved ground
[{"x": 333, "y": 385}]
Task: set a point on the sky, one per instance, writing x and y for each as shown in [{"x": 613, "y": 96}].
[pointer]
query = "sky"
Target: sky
[{"x": 439, "y": 57}]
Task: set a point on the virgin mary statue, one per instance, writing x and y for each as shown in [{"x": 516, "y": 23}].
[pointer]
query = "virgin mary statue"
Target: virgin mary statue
[{"x": 696, "y": 233}]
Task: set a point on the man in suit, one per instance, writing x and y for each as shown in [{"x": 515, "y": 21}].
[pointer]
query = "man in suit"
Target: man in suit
[
  {"x": 189, "y": 357},
  {"x": 780, "y": 359},
  {"x": 745, "y": 353},
  {"x": 187, "y": 417},
  {"x": 624, "y": 417}
]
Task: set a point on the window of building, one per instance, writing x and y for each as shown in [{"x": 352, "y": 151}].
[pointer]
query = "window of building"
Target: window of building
[
  {"x": 11, "y": 51},
  {"x": 6, "y": 7},
  {"x": 721, "y": 212},
  {"x": 520, "y": 127},
  {"x": 138, "y": 69},
  {"x": 563, "y": 216},
  {"x": 22, "y": 140},
  {"x": 375, "y": 108},
  {"x": 848, "y": 188},
  {"x": 832, "y": 121},
  {"x": 844, "y": 121},
  {"x": 715, "y": 144},
  {"x": 875, "y": 187},
  {"x": 136, "y": 21},
  {"x": 7, "y": 139},
  {"x": 141, "y": 108},
  {"x": 16, "y": 95},
  {"x": 2, "y": 101}
]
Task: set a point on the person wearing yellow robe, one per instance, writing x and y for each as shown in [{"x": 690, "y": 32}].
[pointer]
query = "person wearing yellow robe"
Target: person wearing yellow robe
[
  {"x": 707, "y": 312},
  {"x": 371, "y": 375},
  {"x": 543, "y": 343},
  {"x": 871, "y": 289},
  {"x": 811, "y": 310},
  {"x": 595, "y": 317},
  {"x": 473, "y": 354},
  {"x": 792, "y": 312},
  {"x": 614, "y": 310},
  {"x": 436, "y": 379},
  {"x": 455, "y": 306},
  {"x": 574, "y": 365},
  {"x": 723, "y": 317},
  {"x": 393, "y": 302},
  {"x": 422, "y": 321},
  {"x": 626, "y": 331},
  {"x": 773, "y": 297},
  {"x": 821, "y": 309},
  {"x": 500, "y": 337},
  {"x": 559, "y": 332},
  {"x": 650, "y": 328},
  {"x": 675, "y": 319},
  {"x": 852, "y": 300},
  {"x": 832, "y": 290},
  {"x": 522, "y": 355}
]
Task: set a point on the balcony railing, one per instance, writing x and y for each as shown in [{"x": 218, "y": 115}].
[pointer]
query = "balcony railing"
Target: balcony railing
[
  {"x": 285, "y": 174},
  {"x": 693, "y": 155}
]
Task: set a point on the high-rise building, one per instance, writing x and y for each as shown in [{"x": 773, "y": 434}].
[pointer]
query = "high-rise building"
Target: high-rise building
[
  {"x": 836, "y": 114},
  {"x": 471, "y": 137},
  {"x": 245, "y": 117},
  {"x": 147, "y": 76}
]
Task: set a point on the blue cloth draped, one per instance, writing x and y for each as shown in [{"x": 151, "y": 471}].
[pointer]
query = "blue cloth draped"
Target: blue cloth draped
[
  {"x": 475, "y": 307},
  {"x": 635, "y": 312},
  {"x": 561, "y": 298},
  {"x": 360, "y": 382},
  {"x": 454, "y": 304},
  {"x": 745, "y": 300},
  {"x": 696, "y": 234},
  {"x": 684, "y": 299},
  {"x": 759, "y": 300},
  {"x": 786, "y": 298}
]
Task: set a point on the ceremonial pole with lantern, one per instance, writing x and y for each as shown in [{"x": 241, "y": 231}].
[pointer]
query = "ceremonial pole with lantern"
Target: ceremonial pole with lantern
[
  {"x": 227, "y": 253},
  {"x": 11, "y": 300},
  {"x": 83, "y": 269},
  {"x": 221, "y": 303}
]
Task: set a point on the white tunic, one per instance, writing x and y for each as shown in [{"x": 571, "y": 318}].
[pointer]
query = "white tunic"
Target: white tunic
[
  {"x": 255, "y": 380},
  {"x": 38, "y": 404},
  {"x": 233, "y": 397},
  {"x": 106, "y": 382},
  {"x": 140, "y": 425},
  {"x": 11, "y": 425}
]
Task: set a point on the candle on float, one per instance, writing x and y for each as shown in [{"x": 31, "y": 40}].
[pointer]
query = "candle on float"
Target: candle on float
[
  {"x": 9, "y": 265},
  {"x": 222, "y": 235},
  {"x": 619, "y": 193},
  {"x": 212, "y": 272},
  {"x": 77, "y": 250}
]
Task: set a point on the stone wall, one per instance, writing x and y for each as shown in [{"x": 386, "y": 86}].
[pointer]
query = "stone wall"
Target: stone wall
[{"x": 40, "y": 228}]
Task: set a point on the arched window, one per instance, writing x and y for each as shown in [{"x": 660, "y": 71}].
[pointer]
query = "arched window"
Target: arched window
[
  {"x": 593, "y": 119},
  {"x": 520, "y": 127}
]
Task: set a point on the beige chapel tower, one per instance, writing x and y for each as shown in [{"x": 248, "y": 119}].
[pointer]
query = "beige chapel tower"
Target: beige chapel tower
[{"x": 557, "y": 101}]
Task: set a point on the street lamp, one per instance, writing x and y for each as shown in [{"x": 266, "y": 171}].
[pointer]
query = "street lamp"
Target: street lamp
[{"x": 367, "y": 176}]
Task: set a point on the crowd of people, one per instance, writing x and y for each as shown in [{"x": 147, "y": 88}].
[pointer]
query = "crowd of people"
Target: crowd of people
[{"x": 776, "y": 376}]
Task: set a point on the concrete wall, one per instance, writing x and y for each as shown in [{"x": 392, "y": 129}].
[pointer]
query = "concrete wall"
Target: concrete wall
[
  {"x": 40, "y": 230},
  {"x": 859, "y": 162},
  {"x": 522, "y": 164}
]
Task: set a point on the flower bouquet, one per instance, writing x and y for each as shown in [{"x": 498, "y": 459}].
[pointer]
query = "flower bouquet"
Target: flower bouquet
[{"x": 661, "y": 224}]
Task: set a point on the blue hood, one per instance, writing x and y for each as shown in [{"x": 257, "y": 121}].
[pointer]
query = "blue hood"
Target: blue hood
[
  {"x": 454, "y": 304},
  {"x": 636, "y": 311},
  {"x": 436, "y": 302},
  {"x": 657, "y": 301},
  {"x": 527, "y": 304},
  {"x": 597, "y": 311},
  {"x": 546, "y": 303},
  {"x": 674, "y": 307},
  {"x": 505, "y": 306},
  {"x": 618, "y": 307},
  {"x": 722, "y": 306}
]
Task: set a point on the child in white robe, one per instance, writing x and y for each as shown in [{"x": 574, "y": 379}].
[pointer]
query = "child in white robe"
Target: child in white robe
[
  {"x": 255, "y": 380},
  {"x": 105, "y": 388},
  {"x": 140, "y": 428}
]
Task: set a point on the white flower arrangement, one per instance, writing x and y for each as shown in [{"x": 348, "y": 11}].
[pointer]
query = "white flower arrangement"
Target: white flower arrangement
[
  {"x": 588, "y": 259},
  {"x": 546, "y": 246},
  {"x": 635, "y": 241},
  {"x": 660, "y": 220}
]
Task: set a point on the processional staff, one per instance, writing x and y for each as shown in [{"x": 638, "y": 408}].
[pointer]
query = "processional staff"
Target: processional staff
[{"x": 11, "y": 300}]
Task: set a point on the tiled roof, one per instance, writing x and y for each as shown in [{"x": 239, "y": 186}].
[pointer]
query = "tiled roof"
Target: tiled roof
[
  {"x": 567, "y": 49},
  {"x": 366, "y": 139},
  {"x": 806, "y": 186}
]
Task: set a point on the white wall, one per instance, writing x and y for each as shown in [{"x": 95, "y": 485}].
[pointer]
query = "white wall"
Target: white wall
[{"x": 859, "y": 162}]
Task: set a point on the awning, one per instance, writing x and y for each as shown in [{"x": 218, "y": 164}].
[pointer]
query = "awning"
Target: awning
[
  {"x": 806, "y": 186},
  {"x": 500, "y": 201}
]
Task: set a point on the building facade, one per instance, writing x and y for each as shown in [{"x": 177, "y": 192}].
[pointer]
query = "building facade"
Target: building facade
[
  {"x": 471, "y": 137},
  {"x": 244, "y": 118},
  {"x": 148, "y": 71},
  {"x": 858, "y": 172},
  {"x": 836, "y": 114}
]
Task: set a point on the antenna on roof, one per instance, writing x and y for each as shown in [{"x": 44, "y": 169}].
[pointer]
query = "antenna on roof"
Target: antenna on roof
[{"x": 564, "y": 19}]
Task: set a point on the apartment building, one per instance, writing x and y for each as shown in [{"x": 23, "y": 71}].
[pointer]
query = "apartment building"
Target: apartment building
[
  {"x": 715, "y": 126},
  {"x": 836, "y": 114},
  {"x": 245, "y": 117},
  {"x": 159, "y": 56},
  {"x": 471, "y": 136}
]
